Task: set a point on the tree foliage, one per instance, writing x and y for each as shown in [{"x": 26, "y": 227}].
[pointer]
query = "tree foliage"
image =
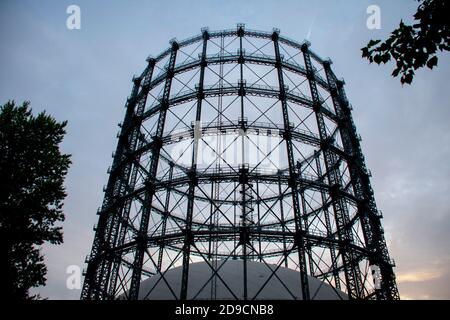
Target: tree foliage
[
  {"x": 32, "y": 172},
  {"x": 413, "y": 47}
]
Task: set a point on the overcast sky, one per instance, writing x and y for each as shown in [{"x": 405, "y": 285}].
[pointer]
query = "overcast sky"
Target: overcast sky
[{"x": 84, "y": 76}]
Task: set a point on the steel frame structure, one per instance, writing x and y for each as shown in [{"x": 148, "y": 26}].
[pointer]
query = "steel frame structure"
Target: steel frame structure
[{"x": 314, "y": 211}]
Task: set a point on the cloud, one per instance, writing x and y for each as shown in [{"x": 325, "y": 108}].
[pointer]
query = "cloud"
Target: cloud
[
  {"x": 418, "y": 276},
  {"x": 428, "y": 286}
]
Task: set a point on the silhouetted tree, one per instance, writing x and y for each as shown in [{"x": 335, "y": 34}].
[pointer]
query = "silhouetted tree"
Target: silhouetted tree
[
  {"x": 413, "y": 47},
  {"x": 32, "y": 172}
]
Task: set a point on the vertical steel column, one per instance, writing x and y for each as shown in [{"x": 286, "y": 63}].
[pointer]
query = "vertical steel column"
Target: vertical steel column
[
  {"x": 367, "y": 210},
  {"x": 188, "y": 238},
  {"x": 243, "y": 171},
  {"x": 293, "y": 182},
  {"x": 164, "y": 220},
  {"x": 132, "y": 160},
  {"x": 211, "y": 221},
  {"x": 380, "y": 254},
  {"x": 351, "y": 267},
  {"x": 215, "y": 191},
  {"x": 326, "y": 214},
  {"x": 258, "y": 212},
  {"x": 283, "y": 222},
  {"x": 92, "y": 287},
  {"x": 306, "y": 223},
  {"x": 211, "y": 245},
  {"x": 141, "y": 239}
]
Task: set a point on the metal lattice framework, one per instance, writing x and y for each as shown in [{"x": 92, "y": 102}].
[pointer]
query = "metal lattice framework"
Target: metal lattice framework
[{"x": 238, "y": 144}]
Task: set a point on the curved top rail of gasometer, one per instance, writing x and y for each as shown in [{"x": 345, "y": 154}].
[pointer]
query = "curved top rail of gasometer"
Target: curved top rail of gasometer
[
  {"x": 234, "y": 32},
  {"x": 231, "y": 33}
]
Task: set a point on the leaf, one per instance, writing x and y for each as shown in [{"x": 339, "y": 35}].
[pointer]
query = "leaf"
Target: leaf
[
  {"x": 373, "y": 43},
  {"x": 396, "y": 72},
  {"x": 377, "y": 59},
  {"x": 407, "y": 78},
  {"x": 386, "y": 57},
  {"x": 432, "y": 62},
  {"x": 365, "y": 52}
]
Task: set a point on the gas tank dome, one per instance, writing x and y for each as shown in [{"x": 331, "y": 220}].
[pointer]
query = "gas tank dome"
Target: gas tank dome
[{"x": 262, "y": 283}]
